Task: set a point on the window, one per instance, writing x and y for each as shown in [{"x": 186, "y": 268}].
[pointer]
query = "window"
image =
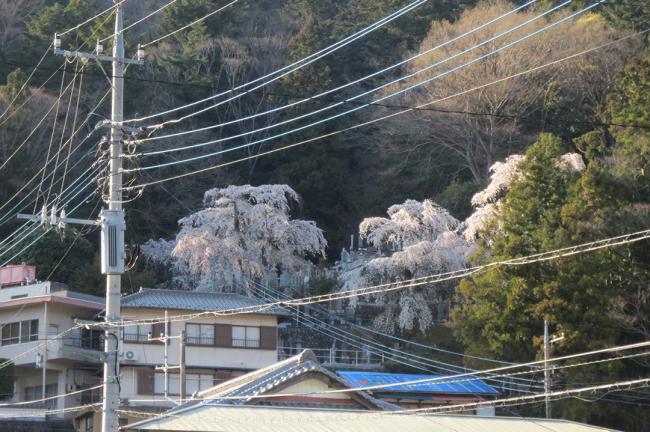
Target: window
[
  {"x": 200, "y": 334},
  {"x": 137, "y": 333},
  {"x": 20, "y": 332},
  {"x": 159, "y": 384},
  {"x": 28, "y": 331},
  {"x": 10, "y": 333},
  {"x": 193, "y": 383},
  {"x": 198, "y": 382},
  {"x": 53, "y": 329},
  {"x": 36, "y": 393},
  {"x": 89, "y": 421},
  {"x": 246, "y": 337}
]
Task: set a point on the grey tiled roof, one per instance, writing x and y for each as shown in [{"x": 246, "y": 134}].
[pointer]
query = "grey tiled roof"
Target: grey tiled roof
[
  {"x": 266, "y": 379},
  {"x": 194, "y": 301}
]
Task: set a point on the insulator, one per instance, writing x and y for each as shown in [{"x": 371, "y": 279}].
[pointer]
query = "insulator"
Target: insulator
[
  {"x": 99, "y": 48},
  {"x": 53, "y": 218},
  {"x": 139, "y": 54},
  {"x": 44, "y": 219},
  {"x": 57, "y": 41},
  {"x": 62, "y": 220}
]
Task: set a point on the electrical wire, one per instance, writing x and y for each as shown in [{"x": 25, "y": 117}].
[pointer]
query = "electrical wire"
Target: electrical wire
[
  {"x": 341, "y": 114},
  {"x": 385, "y": 117},
  {"x": 45, "y": 116},
  {"x": 421, "y": 281},
  {"x": 88, "y": 116},
  {"x": 25, "y": 84},
  {"x": 49, "y": 148},
  {"x": 346, "y": 85},
  {"x": 442, "y": 380},
  {"x": 61, "y": 395},
  {"x": 297, "y": 65},
  {"x": 397, "y": 355},
  {"x": 203, "y": 18},
  {"x": 146, "y": 17},
  {"x": 34, "y": 228},
  {"x": 63, "y": 128},
  {"x": 110, "y": 9}
]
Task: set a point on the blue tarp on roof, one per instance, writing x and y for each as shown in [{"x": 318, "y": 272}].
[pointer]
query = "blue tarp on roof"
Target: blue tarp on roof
[{"x": 462, "y": 385}]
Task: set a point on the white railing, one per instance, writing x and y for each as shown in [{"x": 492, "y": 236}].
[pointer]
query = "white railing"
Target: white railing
[{"x": 337, "y": 357}]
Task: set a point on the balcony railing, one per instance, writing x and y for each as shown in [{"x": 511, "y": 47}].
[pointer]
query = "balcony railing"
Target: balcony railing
[
  {"x": 246, "y": 343},
  {"x": 200, "y": 340},
  {"x": 337, "y": 357},
  {"x": 93, "y": 343},
  {"x": 135, "y": 338}
]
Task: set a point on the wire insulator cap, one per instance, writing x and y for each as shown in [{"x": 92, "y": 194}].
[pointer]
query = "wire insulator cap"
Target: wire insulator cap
[
  {"x": 99, "y": 48},
  {"x": 139, "y": 54},
  {"x": 57, "y": 41}
]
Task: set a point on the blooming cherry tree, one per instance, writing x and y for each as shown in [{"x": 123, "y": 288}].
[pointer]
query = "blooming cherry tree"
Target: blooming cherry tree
[
  {"x": 427, "y": 242},
  {"x": 244, "y": 232}
]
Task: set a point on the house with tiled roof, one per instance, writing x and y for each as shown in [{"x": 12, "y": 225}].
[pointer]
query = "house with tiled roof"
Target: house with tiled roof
[
  {"x": 299, "y": 381},
  {"x": 217, "y": 347}
]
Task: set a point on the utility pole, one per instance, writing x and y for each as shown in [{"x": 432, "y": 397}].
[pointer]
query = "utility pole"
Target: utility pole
[
  {"x": 181, "y": 364},
  {"x": 111, "y": 396},
  {"x": 164, "y": 337},
  {"x": 110, "y": 220},
  {"x": 547, "y": 372},
  {"x": 548, "y": 381}
]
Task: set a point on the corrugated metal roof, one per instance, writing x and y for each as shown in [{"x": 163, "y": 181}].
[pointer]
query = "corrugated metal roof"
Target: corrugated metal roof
[
  {"x": 194, "y": 300},
  {"x": 462, "y": 386},
  {"x": 258, "y": 419}
]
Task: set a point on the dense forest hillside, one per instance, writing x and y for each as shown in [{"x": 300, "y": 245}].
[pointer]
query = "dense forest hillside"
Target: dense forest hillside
[{"x": 484, "y": 142}]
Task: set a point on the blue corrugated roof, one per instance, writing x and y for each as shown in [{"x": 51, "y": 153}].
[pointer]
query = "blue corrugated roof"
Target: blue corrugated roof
[
  {"x": 194, "y": 301},
  {"x": 461, "y": 385}
]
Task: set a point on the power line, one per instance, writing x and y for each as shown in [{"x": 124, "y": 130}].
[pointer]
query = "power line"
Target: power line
[
  {"x": 35, "y": 128},
  {"x": 341, "y": 87},
  {"x": 203, "y": 18},
  {"x": 397, "y": 355},
  {"x": 385, "y": 117},
  {"x": 110, "y": 9},
  {"x": 86, "y": 120},
  {"x": 452, "y": 379},
  {"x": 25, "y": 83},
  {"x": 146, "y": 17},
  {"x": 411, "y": 283},
  {"x": 343, "y": 113},
  {"x": 299, "y": 64}
]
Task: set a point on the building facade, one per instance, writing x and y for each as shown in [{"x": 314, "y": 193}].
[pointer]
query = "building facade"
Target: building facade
[
  {"x": 47, "y": 363},
  {"x": 44, "y": 365}
]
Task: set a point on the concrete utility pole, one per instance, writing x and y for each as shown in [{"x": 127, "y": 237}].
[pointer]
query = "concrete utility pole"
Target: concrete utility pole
[
  {"x": 111, "y": 220},
  {"x": 111, "y": 396},
  {"x": 181, "y": 364},
  {"x": 548, "y": 381},
  {"x": 547, "y": 372}
]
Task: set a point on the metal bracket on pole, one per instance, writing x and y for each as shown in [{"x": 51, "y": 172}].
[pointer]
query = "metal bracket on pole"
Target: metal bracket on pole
[{"x": 90, "y": 56}]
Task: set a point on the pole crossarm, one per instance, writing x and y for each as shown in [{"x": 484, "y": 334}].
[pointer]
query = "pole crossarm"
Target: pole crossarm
[
  {"x": 60, "y": 220},
  {"x": 92, "y": 56}
]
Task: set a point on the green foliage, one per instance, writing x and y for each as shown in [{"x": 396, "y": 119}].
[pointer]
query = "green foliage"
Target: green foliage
[
  {"x": 597, "y": 299},
  {"x": 15, "y": 81},
  {"x": 58, "y": 257},
  {"x": 457, "y": 197},
  {"x": 630, "y": 14},
  {"x": 59, "y": 17}
]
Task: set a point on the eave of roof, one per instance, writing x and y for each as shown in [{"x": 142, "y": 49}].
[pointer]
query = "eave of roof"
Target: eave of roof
[
  {"x": 50, "y": 298},
  {"x": 155, "y": 298}
]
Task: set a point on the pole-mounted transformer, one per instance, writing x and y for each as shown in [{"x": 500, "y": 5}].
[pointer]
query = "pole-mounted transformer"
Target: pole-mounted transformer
[{"x": 112, "y": 243}]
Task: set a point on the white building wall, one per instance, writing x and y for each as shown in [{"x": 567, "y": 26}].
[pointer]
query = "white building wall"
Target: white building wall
[{"x": 197, "y": 358}]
